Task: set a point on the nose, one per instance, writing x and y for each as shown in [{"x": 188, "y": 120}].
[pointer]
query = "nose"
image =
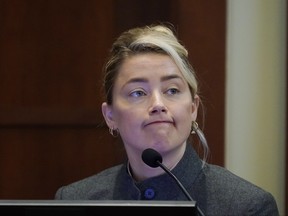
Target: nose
[{"x": 157, "y": 104}]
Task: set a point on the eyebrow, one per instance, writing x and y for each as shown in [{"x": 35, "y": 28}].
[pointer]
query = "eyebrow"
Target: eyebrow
[{"x": 164, "y": 78}]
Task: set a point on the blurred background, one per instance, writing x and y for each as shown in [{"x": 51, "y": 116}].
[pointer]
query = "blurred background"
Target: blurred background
[{"x": 51, "y": 58}]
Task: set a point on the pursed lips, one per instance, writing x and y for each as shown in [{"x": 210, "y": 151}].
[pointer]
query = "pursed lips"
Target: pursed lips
[{"x": 159, "y": 122}]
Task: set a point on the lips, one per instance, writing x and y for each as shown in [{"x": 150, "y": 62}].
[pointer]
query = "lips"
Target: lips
[{"x": 159, "y": 122}]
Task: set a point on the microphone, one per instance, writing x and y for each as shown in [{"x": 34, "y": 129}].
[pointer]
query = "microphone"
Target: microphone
[{"x": 153, "y": 159}]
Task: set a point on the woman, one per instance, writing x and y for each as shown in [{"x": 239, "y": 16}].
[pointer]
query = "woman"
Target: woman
[{"x": 152, "y": 102}]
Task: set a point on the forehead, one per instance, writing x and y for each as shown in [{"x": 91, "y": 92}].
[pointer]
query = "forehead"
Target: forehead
[
  {"x": 150, "y": 69},
  {"x": 148, "y": 65}
]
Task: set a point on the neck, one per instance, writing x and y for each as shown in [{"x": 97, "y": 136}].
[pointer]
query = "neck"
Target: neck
[{"x": 139, "y": 171}]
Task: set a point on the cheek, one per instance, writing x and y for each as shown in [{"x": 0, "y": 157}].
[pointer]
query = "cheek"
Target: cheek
[
  {"x": 127, "y": 119},
  {"x": 184, "y": 116}
]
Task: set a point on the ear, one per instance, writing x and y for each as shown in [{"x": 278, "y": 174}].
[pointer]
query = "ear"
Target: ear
[
  {"x": 107, "y": 113},
  {"x": 195, "y": 105}
]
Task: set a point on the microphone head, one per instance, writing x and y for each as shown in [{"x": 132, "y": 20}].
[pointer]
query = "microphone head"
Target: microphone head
[{"x": 151, "y": 157}]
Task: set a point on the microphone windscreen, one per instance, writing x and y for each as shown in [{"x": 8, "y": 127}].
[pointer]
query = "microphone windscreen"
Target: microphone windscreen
[{"x": 151, "y": 157}]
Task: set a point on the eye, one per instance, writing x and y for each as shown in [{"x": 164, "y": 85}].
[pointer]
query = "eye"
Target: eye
[
  {"x": 137, "y": 93},
  {"x": 172, "y": 91}
]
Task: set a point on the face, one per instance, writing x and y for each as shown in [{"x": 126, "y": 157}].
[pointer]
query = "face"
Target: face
[{"x": 152, "y": 105}]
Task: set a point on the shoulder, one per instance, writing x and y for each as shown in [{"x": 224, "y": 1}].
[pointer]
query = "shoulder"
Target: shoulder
[
  {"x": 87, "y": 187},
  {"x": 242, "y": 195},
  {"x": 225, "y": 179}
]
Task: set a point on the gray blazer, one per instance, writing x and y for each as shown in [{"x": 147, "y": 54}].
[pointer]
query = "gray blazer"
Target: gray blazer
[{"x": 216, "y": 190}]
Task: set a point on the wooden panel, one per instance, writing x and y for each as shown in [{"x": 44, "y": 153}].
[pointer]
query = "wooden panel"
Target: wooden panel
[
  {"x": 52, "y": 53},
  {"x": 202, "y": 28},
  {"x": 50, "y": 116},
  {"x": 34, "y": 162},
  {"x": 51, "y": 130}
]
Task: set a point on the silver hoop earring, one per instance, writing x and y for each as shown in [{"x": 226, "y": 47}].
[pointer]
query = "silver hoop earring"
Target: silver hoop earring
[
  {"x": 114, "y": 132},
  {"x": 196, "y": 130},
  {"x": 195, "y": 127}
]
